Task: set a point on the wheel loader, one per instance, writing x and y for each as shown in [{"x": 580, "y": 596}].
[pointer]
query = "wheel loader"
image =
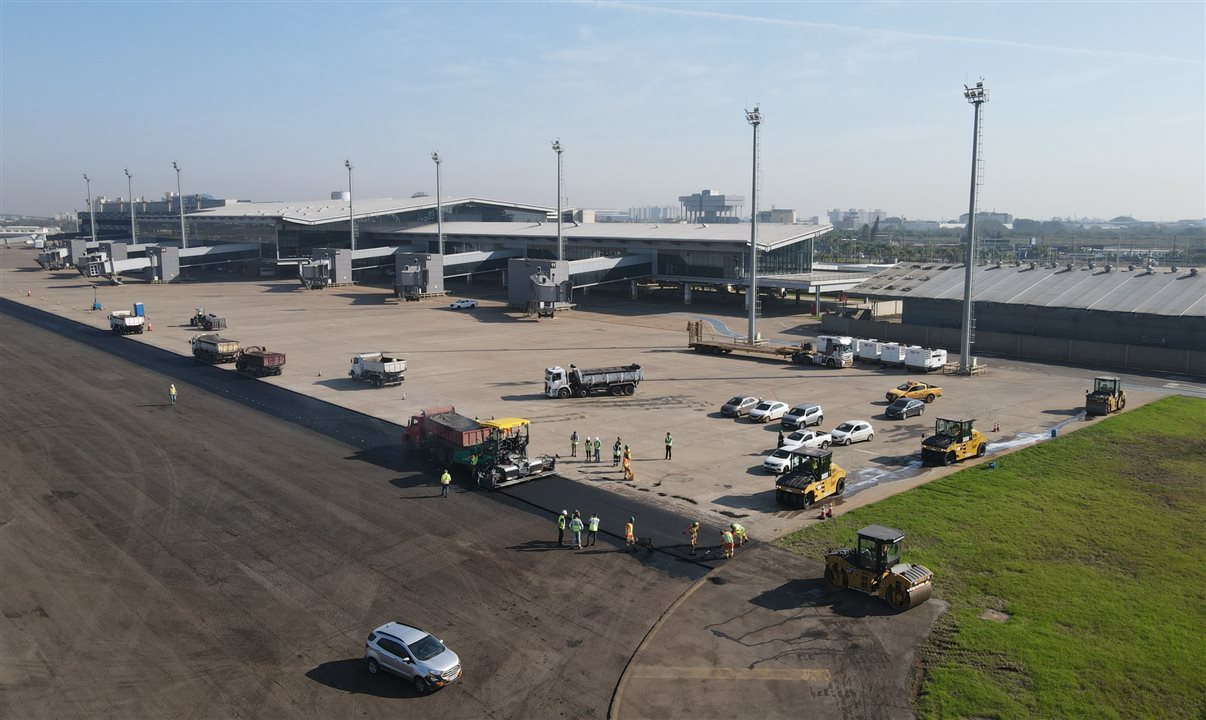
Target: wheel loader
[
  {"x": 952, "y": 441},
  {"x": 874, "y": 568},
  {"x": 1107, "y": 396}
]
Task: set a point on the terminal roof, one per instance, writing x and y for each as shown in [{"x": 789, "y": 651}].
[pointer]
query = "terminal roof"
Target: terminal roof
[
  {"x": 317, "y": 212},
  {"x": 770, "y": 235}
]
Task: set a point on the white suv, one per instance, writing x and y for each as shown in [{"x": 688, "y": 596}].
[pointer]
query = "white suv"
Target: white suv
[{"x": 411, "y": 654}]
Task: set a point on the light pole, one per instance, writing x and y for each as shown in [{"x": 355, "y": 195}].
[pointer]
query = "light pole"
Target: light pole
[
  {"x": 754, "y": 117},
  {"x": 91, "y": 212},
  {"x": 977, "y": 96},
  {"x": 180, "y": 200},
  {"x": 557, "y": 148},
  {"x": 351, "y": 218},
  {"x": 130, "y": 186},
  {"x": 435, "y": 157}
]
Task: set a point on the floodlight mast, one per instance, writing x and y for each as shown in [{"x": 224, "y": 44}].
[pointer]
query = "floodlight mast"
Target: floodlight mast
[
  {"x": 91, "y": 212},
  {"x": 977, "y": 96},
  {"x": 754, "y": 118},
  {"x": 130, "y": 187},
  {"x": 435, "y": 157},
  {"x": 347, "y": 163},
  {"x": 557, "y": 148},
  {"x": 180, "y": 200}
]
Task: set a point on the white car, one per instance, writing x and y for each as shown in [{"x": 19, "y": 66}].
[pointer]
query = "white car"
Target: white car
[
  {"x": 807, "y": 438},
  {"x": 778, "y": 461},
  {"x": 411, "y": 654},
  {"x": 852, "y": 431},
  {"x": 463, "y": 304},
  {"x": 768, "y": 410}
]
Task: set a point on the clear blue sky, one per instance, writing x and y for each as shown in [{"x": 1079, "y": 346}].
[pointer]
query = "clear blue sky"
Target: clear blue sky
[{"x": 1095, "y": 108}]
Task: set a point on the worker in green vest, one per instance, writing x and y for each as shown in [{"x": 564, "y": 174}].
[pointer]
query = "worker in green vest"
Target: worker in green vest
[
  {"x": 592, "y": 529},
  {"x": 726, "y": 542},
  {"x": 575, "y": 527},
  {"x": 562, "y": 521},
  {"x": 445, "y": 481},
  {"x": 669, "y": 445},
  {"x": 738, "y": 533}
]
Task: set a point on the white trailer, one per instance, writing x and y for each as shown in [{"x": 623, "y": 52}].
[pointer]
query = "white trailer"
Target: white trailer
[
  {"x": 378, "y": 368},
  {"x": 924, "y": 359},
  {"x": 867, "y": 350},
  {"x": 893, "y": 353},
  {"x": 124, "y": 322}
]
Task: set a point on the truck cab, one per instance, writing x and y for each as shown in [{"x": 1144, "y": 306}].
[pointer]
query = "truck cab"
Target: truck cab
[{"x": 556, "y": 382}]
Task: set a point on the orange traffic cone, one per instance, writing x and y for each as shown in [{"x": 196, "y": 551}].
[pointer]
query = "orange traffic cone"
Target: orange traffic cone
[
  {"x": 148, "y": 327},
  {"x": 28, "y": 293}
]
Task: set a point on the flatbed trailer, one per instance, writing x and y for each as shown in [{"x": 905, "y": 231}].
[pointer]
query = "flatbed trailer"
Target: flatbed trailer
[{"x": 702, "y": 341}]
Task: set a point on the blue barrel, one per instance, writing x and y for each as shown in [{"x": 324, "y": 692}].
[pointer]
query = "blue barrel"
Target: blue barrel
[{"x": 138, "y": 310}]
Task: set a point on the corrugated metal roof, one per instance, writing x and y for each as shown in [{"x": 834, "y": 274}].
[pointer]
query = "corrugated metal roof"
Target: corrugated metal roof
[
  {"x": 1162, "y": 292},
  {"x": 770, "y": 235},
  {"x": 317, "y": 212}
]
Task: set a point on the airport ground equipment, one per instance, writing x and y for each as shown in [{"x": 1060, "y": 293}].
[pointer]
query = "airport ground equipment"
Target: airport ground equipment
[
  {"x": 874, "y": 568},
  {"x": 127, "y": 322},
  {"x": 214, "y": 349},
  {"x": 1107, "y": 396},
  {"x": 924, "y": 359},
  {"x": 206, "y": 321},
  {"x": 259, "y": 362},
  {"x": 867, "y": 350},
  {"x": 327, "y": 267},
  {"x": 830, "y": 350},
  {"x": 54, "y": 259},
  {"x": 893, "y": 354},
  {"x": 418, "y": 275},
  {"x": 494, "y": 452},
  {"x": 810, "y": 476},
  {"x": 580, "y": 382},
  {"x": 378, "y": 368},
  {"x": 952, "y": 441}
]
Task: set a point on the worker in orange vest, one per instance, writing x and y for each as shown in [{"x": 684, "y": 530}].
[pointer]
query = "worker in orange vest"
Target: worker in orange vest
[{"x": 630, "y": 534}]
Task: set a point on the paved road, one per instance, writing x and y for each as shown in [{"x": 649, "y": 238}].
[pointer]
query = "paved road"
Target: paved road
[{"x": 211, "y": 560}]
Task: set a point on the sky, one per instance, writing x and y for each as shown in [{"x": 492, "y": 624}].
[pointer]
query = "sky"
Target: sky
[{"x": 1095, "y": 109}]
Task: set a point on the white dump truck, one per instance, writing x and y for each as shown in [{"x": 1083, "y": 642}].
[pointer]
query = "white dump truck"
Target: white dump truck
[
  {"x": 924, "y": 359},
  {"x": 378, "y": 368},
  {"x": 580, "y": 382},
  {"x": 124, "y": 322}
]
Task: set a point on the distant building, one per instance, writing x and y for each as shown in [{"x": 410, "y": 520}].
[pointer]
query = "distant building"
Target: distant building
[
  {"x": 920, "y": 225},
  {"x": 663, "y": 213},
  {"x": 705, "y": 207},
  {"x": 854, "y": 219},
  {"x": 1003, "y": 218},
  {"x": 783, "y": 216}
]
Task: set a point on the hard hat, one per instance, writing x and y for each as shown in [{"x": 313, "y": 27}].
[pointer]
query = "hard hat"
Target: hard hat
[
  {"x": 632, "y": 519},
  {"x": 565, "y": 512}
]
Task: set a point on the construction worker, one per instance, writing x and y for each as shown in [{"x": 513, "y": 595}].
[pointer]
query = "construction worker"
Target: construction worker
[
  {"x": 738, "y": 533},
  {"x": 627, "y": 453},
  {"x": 615, "y": 455},
  {"x": 445, "y": 481},
  {"x": 780, "y": 439},
  {"x": 598, "y": 444},
  {"x": 693, "y": 532},
  {"x": 630, "y": 534},
  {"x": 562, "y": 521},
  {"x": 628, "y": 474},
  {"x": 574, "y": 444},
  {"x": 669, "y": 445},
  {"x": 726, "y": 542},
  {"x": 575, "y": 527},
  {"x": 172, "y": 393},
  {"x": 592, "y": 529}
]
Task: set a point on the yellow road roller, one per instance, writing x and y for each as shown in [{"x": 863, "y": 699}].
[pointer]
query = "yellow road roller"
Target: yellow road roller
[{"x": 874, "y": 568}]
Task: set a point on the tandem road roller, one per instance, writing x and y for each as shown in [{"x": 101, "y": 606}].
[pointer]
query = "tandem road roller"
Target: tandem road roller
[{"x": 874, "y": 568}]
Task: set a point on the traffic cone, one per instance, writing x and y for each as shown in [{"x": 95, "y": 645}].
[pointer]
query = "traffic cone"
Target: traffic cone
[
  {"x": 148, "y": 327},
  {"x": 996, "y": 427}
]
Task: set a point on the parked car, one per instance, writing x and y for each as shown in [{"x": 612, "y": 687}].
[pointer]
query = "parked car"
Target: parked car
[
  {"x": 768, "y": 410},
  {"x": 902, "y": 408},
  {"x": 802, "y": 415},
  {"x": 462, "y": 304},
  {"x": 852, "y": 431},
  {"x": 778, "y": 461},
  {"x": 740, "y": 405},
  {"x": 807, "y": 438},
  {"x": 411, "y": 654},
  {"x": 916, "y": 390}
]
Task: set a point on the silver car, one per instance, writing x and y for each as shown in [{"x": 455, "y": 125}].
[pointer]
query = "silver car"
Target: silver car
[
  {"x": 412, "y": 655},
  {"x": 740, "y": 405}
]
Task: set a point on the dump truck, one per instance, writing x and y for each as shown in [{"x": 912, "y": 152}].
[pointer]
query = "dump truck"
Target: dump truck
[
  {"x": 493, "y": 452},
  {"x": 952, "y": 441},
  {"x": 378, "y": 368},
  {"x": 206, "y": 321},
  {"x": 810, "y": 476},
  {"x": 259, "y": 362},
  {"x": 125, "y": 322},
  {"x": 830, "y": 350},
  {"x": 874, "y": 568},
  {"x": 1107, "y": 396},
  {"x": 214, "y": 349},
  {"x": 580, "y": 382}
]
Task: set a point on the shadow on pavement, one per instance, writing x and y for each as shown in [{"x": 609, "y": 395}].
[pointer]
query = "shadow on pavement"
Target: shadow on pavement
[
  {"x": 351, "y": 676},
  {"x": 815, "y": 592}
]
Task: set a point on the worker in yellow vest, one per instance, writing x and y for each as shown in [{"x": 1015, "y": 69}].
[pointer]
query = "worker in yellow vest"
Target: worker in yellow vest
[
  {"x": 445, "y": 481},
  {"x": 738, "y": 533},
  {"x": 693, "y": 532},
  {"x": 726, "y": 542},
  {"x": 562, "y": 521},
  {"x": 630, "y": 534}
]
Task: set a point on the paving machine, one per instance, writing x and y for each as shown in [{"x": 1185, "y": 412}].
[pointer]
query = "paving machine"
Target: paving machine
[
  {"x": 874, "y": 568},
  {"x": 495, "y": 452},
  {"x": 952, "y": 441},
  {"x": 1107, "y": 396}
]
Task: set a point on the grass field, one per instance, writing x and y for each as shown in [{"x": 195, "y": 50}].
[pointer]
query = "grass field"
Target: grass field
[{"x": 1094, "y": 544}]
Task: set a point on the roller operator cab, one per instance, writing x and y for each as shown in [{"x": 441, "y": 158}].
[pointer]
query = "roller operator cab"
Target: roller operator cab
[
  {"x": 952, "y": 441},
  {"x": 809, "y": 476},
  {"x": 874, "y": 568}
]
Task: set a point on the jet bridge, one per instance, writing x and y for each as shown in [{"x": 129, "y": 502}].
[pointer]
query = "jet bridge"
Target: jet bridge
[
  {"x": 558, "y": 279},
  {"x": 418, "y": 275}
]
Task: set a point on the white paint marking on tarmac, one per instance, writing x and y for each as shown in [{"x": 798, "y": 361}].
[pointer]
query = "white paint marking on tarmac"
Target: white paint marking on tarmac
[{"x": 658, "y": 672}]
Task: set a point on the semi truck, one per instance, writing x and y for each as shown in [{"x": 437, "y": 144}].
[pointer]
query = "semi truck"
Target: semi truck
[
  {"x": 214, "y": 350},
  {"x": 259, "y": 362},
  {"x": 124, "y": 322},
  {"x": 580, "y": 382},
  {"x": 830, "y": 350},
  {"x": 494, "y": 452},
  {"x": 378, "y": 368}
]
